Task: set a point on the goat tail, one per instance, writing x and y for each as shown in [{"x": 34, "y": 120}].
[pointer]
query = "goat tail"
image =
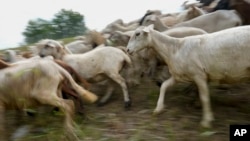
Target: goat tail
[
  {"x": 128, "y": 61},
  {"x": 78, "y": 79},
  {"x": 82, "y": 93}
]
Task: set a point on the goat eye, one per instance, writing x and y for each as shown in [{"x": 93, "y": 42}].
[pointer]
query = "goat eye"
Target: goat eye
[
  {"x": 137, "y": 34},
  {"x": 46, "y": 46}
]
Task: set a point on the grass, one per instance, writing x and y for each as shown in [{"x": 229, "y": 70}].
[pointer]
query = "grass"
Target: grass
[{"x": 179, "y": 122}]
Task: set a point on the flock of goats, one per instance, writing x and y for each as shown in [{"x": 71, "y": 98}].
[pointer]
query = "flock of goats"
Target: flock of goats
[{"x": 190, "y": 46}]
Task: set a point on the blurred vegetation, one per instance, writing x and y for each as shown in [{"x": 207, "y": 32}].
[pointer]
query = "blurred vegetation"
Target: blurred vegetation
[{"x": 65, "y": 24}]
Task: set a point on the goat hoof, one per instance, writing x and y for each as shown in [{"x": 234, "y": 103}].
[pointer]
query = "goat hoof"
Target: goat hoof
[
  {"x": 158, "y": 83},
  {"x": 31, "y": 114},
  {"x": 206, "y": 124},
  {"x": 127, "y": 104},
  {"x": 100, "y": 104},
  {"x": 156, "y": 112}
]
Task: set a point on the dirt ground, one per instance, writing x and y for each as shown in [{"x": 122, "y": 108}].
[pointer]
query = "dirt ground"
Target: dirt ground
[{"x": 179, "y": 121}]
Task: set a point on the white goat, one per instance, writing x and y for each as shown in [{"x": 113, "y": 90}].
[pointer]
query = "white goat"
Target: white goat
[
  {"x": 11, "y": 56},
  {"x": 172, "y": 18},
  {"x": 94, "y": 66},
  {"x": 180, "y": 32},
  {"x": 198, "y": 59},
  {"x": 190, "y": 13},
  {"x": 215, "y": 21},
  {"x": 158, "y": 24},
  {"x": 120, "y": 26},
  {"x": 78, "y": 46},
  {"x": 43, "y": 79},
  {"x": 150, "y": 58}
]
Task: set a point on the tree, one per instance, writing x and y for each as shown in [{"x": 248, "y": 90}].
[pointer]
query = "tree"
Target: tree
[
  {"x": 38, "y": 29},
  {"x": 66, "y": 23},
  {"x": 69, "y": 23}
]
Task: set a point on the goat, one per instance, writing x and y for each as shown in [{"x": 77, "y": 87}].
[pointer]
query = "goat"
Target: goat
[
  {"x": 172, "y": 19},
  {"x": 215, "y": 21},
  {"x": 120, "y": 26},
  {"x": 43, "y": 80},
  {"x": 102, "y": 62},
  {"x": 198, "y": 59},
  {"x": 67, "y": 91},
  {"x": 149, "y": 57}
]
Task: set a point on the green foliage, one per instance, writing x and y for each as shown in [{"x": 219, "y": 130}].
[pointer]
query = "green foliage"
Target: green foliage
[
  {"x": 66, "y": 23},
  {"x": 38, "y": 29}
]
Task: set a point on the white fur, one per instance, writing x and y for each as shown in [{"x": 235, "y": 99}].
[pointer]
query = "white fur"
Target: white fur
[
  {"x": 118, "y": 25},
  {"x": 11, "y": 56},
  {"x": 147, "y": 59},
  {"x": 34, "y": 82},
  {"x": 215, "y": 21},
  {"x": 78, "y": 46},
  {"x": 94, "y": 66},
  {"x": 170, "y": 20},
  {"x": 221, "y": 56}
]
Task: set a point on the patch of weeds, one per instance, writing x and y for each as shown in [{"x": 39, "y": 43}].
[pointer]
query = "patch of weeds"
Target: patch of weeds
[
  {"x": 137, "y": 135},
  {"x": 88, "y": 132},
  {"x": 51, "y": 134},
  {"x": 169, "y": 131},
  {"x": 152, "y": 97}
]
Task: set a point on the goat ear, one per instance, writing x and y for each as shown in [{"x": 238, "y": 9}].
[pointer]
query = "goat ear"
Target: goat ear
[
  {"x": 153, "y": 18},
  {"x": 63, "y": 47},
  {"x": 148, "y": 28},
  {"x": 194, "y": 8},
  {"x": 51, "y": 45},
  {"x": 57, "y": 49}
]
